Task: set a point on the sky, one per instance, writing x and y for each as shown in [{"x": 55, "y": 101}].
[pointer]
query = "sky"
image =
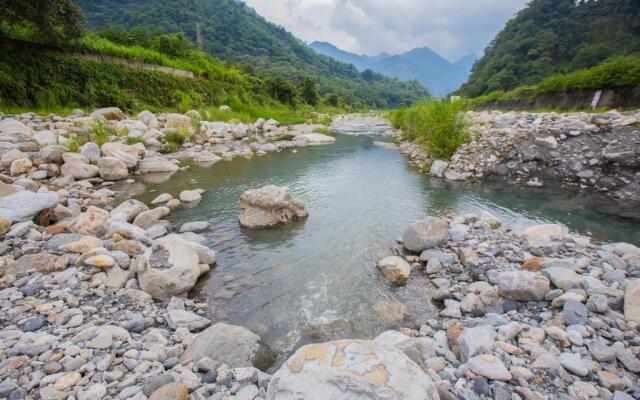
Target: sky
[{"x": 453, "y": 28}]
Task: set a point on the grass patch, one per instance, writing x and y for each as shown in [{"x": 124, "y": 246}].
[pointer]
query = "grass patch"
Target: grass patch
[
  {"x": 324, "y": 131},
  {"x": 175, "y": 140},
  {"x": 101, "y": 132},
  {"x": 438, "y": 124}
]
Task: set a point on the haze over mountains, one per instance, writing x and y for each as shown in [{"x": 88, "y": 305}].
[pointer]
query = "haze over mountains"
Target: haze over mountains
[{"x": 423, "y": 64}]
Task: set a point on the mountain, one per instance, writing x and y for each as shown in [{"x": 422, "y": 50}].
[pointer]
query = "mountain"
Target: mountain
[
  {"x": 552, "y": 37},
  {"x": 439, "y": 75},
  {"x": 230, "y": 30}
]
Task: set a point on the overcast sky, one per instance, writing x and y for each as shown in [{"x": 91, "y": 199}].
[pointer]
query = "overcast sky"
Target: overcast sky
[{"x": 453, "y": 28}]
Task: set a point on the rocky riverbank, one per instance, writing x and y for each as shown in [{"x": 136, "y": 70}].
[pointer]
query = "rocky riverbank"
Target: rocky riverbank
[
  {"x": 536, "y": 314},
  {"x": 93, "y": 292},
  {"x": 593, "y": 152}
]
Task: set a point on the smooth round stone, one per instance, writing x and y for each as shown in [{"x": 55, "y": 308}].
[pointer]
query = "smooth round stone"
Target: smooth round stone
[
  {"x": 18, "y": 394},
  {"x": 32, "y": 290},
  {"x": 34, "y": 324},
  {"x": 575, "y": 313},
  {"x": 481, "y": 386}
]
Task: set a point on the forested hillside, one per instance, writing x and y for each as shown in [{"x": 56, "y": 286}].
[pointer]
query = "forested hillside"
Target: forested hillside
[
  {"x": 232, "y": 31},
  {"x": 553, "y": 37}
]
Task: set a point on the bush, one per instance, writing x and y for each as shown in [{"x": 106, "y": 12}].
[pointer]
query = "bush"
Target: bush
[
  {"x": 438, "y": 124},
  {"x": 174, "y": 139}
]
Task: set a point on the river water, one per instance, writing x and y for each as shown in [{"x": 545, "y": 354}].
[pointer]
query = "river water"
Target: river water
[{"x": 316, "y": 280}]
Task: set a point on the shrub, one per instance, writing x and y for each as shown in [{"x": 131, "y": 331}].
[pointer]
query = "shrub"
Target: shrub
[
  {"x": 438, "y": 124},
  {"x": 174, "y": 139}
]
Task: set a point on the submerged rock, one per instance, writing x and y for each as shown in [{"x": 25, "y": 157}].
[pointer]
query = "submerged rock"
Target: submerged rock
[
  {"x": 350, "y": 369},
  {"x": 270, "y": 206}
]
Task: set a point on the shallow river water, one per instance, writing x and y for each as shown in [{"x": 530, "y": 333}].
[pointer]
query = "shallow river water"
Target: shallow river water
[{"x": 316, "y": 280}]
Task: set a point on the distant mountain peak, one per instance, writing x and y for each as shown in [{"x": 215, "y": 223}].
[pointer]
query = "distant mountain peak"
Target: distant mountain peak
[{"x": 423, "y": 63}]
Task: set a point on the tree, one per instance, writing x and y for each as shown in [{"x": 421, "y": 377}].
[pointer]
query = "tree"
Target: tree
[
  {"x": 173, "y": 44},
  {"x": 56, "y": 21},
  {"x": 310, "y": 91}
]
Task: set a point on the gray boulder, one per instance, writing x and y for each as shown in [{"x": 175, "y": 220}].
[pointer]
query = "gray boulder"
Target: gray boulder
[
  {"x": 25, "y": 205},
  {"x": 112, "y": 169},
  {"x": 425, "y": 234},
  {"x": 522, "y": 285},
  {"x": 227, "y": 344},
  {"x": 168, "y": 268}
]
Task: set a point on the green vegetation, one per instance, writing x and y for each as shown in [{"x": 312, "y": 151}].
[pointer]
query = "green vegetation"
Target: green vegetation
[
  {"x": 618, "y": 72},
  {"x": 230, "y": 30},
  {"x": 101, "y": 132},
  {"x": 438, "y": 124},
  {"x": 45, "y": 21},
  {"x": 175, "y": 140},
  {"x": 552, "y": 37}
]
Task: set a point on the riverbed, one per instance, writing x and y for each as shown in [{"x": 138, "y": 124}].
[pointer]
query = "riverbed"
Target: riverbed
[{"x": 316, "y": 280}]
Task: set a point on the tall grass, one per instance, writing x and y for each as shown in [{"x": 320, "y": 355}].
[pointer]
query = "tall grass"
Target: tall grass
[
  {"x": 438, "y": 124},
  {"x": 101, "y": 132}
]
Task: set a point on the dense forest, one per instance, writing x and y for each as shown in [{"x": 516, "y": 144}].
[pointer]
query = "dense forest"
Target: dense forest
[
  {"x": 230, "y": 30},
  {"x": 552, "y": 37}
]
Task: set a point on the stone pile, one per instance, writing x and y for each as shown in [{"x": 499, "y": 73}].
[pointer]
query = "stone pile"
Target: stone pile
[
  {"x": 595, "y": 152},
  {"x": 534, "y": 314}
]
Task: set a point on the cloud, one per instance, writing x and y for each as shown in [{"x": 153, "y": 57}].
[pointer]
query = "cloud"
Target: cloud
[{"x": 453, "y": 28}]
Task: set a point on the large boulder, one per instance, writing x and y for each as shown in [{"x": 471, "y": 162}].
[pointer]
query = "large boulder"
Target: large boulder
[
  {"x": 79, "y": 170},
  {"x": 149, "y": 119},
  {"x": 425, "y": 234},
  {"x": 112, "y": 169},
  {"x": 12, "y": 125},
  {"x": 52, "y": 153},
  {"x": 522, "y": 285},
  {"x": 395, "y": 269},
  {"x": 270, "y": 206},
  {"x": 128, "y": 210},
  {"x": 168, "y": 268},
  {"x": 129, "y": 154},
  {"x": 350, "y": 369},
  {"x": 227, "y": 344},
  {"x": 25, "y": 205},
  {"x": 178, "y": 121},
  {"x": 109, "y": 113},
  {"x": 156, "y": 164}
]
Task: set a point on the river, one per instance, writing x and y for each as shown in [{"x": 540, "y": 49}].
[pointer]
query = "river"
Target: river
[{"x": 316, "y": 280}]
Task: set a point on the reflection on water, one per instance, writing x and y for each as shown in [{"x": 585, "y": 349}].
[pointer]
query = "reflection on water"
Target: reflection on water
[{"x": 316, "y": 279}]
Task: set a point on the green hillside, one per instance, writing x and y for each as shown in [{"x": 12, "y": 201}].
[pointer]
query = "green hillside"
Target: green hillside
[
  {"x": 552, "y": 37},
  {"x": 232, "y": 31}
]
